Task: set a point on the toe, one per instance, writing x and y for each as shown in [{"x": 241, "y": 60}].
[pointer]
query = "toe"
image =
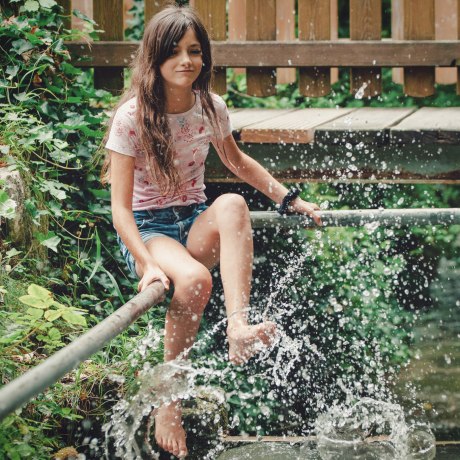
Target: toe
[{"x": 175, "y": 448}]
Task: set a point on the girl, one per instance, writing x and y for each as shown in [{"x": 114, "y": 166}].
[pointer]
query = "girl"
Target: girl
[{"x": 157, "y": 145}]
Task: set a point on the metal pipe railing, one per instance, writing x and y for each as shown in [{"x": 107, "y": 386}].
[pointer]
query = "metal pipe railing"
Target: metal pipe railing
[
  {"x": 21, "y": 390},
  {"x": 358, "y": 218}
]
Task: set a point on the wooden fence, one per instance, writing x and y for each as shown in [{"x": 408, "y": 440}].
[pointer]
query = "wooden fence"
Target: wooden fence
[{"x": 260, "y": 36}]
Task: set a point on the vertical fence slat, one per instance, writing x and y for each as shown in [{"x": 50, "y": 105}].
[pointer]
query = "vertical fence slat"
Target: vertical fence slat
[
  {"x": 285, "y": 30},
  {"x": 84, "y": 6},
  {"x": 108, "y": 14},
  {"x": 397, "y": 33},
  {"x": 237, "y": 27},
  {"x": 334, "y": 35},
  {"x": 445, "y": 29},
  {"x": 314, "y": 24},
  {"x": 458, "y": 36},
  {"x": 152, "y": 7},
  {"x": 419, "y": 25},
  {"x": 67, "y": 12},
  {"x": 261, "y": 25},
  {"x": 366, "y": 24},
  {"x": 214, "y": 16}
]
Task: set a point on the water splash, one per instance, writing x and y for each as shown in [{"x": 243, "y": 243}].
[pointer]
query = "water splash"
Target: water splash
[{"x": 371, "y": 429}]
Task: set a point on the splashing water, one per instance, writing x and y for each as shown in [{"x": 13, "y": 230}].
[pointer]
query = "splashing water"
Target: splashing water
[
  {"x": 360, "y": 93},
  {"x": 369, "y": 429},
  {"x": 372, "y": 429}
]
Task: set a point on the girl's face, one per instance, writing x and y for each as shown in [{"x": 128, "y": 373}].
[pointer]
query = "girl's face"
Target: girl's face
[{"x": 182, "y": 68}]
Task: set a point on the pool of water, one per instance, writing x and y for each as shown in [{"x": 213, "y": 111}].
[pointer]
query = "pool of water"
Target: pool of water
[
  {"x": 433, "y": 375},
  {"x": 309, "y": 451}
]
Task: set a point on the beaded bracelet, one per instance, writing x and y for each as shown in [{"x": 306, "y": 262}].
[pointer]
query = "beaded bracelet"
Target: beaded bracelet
[{"x": 290, "y": 196}]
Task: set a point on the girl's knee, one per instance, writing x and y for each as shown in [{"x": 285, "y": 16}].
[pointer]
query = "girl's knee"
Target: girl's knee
[
  {"x": 194, "y": 282},
  {"x": 233, "y": 207}
]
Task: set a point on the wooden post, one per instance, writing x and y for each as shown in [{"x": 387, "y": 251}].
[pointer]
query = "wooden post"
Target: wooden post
[
  {"x": 397, "y": 33},
  {"x": 213, "y": 15},
  {"x": 314, "y": 24},
  {"x": 237, "y": 27},
  {"x": 261, "y": 25},
  {"x": 108, "y": 14},
  {"x": 419, "y": 25},
  {"x": 285, "y": 30},
  {"x": 334, "y": 35},
  {"x": 446, "y": 29},
  {"x": 67, "y": 7},
  {"x": 84, "y": 6},
  {"x": 458, "y": 33},
  {"x": 152, "y": 7},
  {"x": 366, "y": 24}
]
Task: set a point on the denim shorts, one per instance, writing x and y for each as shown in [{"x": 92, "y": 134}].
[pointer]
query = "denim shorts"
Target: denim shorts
[{"x": 174, "y": 222}]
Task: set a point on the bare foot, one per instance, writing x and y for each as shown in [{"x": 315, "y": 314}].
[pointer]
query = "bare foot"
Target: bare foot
[
  {"x": 245, "y": 341},
  {"x": 169, "y": 433}
]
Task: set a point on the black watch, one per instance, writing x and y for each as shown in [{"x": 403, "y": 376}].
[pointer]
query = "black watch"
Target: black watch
[{"x": 290, "y": 197}]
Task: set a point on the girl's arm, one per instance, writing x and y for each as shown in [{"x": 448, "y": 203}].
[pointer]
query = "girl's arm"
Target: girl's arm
[
  {"x": 253, "y": 173},
  {"x": 122, "y": 183}
]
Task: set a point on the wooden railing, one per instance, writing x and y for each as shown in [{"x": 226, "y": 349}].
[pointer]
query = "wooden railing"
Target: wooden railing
[{"x": 259, "y": 35}]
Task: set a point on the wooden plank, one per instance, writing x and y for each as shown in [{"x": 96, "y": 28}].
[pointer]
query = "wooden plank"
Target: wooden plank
[
  {"x": 260, "y": 26},
  {"x": 369, "y": 125},
  {"x": 67, "y": 12},
  {"x": 366, "y": 24},
  {"x": 243, "y": 118},
  {"x": 151, "y": 8},
  {"x": 446, "y": 29},
  {"x": 237, "y": 27},
  {"x": 285, "y": 31},
  {"x": 397, "y": 33},
  {"x": 214, "y": 17},
  {"x": 84, "y": 6},
  {"x": 419, "y": 25},
  {"x": 314, "y": 24},
  {"x": 292, "y": 127},
  {"x": 334, "y": 35},
  {"x": 429, "y": 125},
  {"x": 108, "y": 14},
  {"x": 316, "y": 162},
  {"x": 343, "y": 53}
]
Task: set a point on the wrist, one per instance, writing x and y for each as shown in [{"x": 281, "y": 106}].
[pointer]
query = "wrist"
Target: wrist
[{"x": 287, "y": 201}]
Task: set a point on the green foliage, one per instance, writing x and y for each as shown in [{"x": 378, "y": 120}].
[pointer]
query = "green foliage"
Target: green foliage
[{"x": 288, "y": 95}]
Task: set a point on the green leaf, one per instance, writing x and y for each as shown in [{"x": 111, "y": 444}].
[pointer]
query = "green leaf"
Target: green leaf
[
  {"x": 47, "y": 3},
  {"x": 80, "y": 15},
  {"x": 51, "y": 315},
  {"x": 7, "y": 206},
  {"x": 35, "y": 313},
  {"x": 12, "y": 252},
  {"x": 34, "y": 302},
  {"x": 51, "y": 243},
  {"x": 40, "y": 293},
  {"x": 21, "y": 46},
  {"x": 54, "y": 334},
  {"x": 31, "y": 5},
  {"x": 74, "y": 318}
]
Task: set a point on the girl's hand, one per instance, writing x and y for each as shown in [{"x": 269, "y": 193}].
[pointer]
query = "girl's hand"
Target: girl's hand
[
  {"x": 152, "y": 273},
  {"x": 304, "y": 207}
]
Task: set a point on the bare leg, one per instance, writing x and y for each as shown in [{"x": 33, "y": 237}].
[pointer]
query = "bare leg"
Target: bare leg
[
  {"x": 192, "y": 288},
  {"x": 225, "y": 230}
]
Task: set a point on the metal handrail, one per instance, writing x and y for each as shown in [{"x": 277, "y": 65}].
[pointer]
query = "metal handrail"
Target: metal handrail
[
  {"x": 24, "y": 388},
  {"x": 360, "y": 217},
  {"x": 21, "y": 390}
]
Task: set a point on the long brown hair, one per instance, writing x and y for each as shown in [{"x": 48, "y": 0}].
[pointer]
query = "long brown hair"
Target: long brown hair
[{"x": 161, "y": 35}]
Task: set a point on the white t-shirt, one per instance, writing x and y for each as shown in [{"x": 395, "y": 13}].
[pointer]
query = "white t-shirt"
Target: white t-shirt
[{"x": 192, "y": 132}]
